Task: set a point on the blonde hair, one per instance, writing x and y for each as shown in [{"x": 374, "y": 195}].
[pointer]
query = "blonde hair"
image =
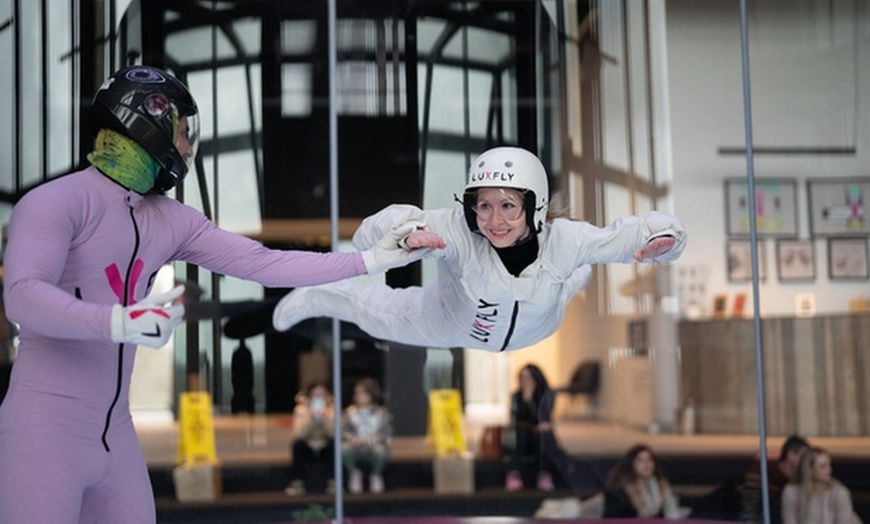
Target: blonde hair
[
  {"x": 804, "y": 477},
  {"x": 559, "y": 213}
]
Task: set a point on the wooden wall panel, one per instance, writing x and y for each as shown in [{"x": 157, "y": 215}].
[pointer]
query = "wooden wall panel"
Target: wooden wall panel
[{"x": 816, "y": 373}]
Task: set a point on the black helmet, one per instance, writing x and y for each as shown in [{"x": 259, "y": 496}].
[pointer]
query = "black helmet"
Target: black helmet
[{"x": 146, "y": 104}]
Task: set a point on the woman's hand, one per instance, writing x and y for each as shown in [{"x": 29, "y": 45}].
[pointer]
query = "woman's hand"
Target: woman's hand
[
  {"x": 422, "y": 239},
  {"x": 655, "y": 248}
]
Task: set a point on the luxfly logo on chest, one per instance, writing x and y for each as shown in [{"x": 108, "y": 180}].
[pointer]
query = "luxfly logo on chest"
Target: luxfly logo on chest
[{"x": 484, "y": 320}]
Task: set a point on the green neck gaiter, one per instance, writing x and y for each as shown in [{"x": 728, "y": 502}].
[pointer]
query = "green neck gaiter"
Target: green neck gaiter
[{"x": 124, "y": 161}]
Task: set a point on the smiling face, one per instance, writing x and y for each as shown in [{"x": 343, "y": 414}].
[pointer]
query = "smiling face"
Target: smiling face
[{"x": 500, "y": 216}]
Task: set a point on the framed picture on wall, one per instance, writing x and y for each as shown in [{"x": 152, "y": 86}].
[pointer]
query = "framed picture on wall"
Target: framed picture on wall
[
  {"x": 776, "y": 212},
  {"x": 740, "y": 261},
  {"x": 838, "y": 206},
  {"x": 739, "y": 305},
  {"x": 847, "y": 259},
  {"x": 720, "y": 305},
  {"x": 795, "y": 260}
]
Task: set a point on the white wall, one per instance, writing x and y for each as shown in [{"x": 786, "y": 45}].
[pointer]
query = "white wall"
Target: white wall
[{"x": 810, "y": 87}]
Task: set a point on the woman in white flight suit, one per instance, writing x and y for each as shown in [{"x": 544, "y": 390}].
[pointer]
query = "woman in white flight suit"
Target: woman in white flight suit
[{"x": 505, "y": 273}]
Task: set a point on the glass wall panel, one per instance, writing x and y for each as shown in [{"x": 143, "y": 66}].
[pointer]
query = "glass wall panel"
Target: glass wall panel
[
  {"x": 297, "y": 36},
  {"x": 296, "y": 95},
  {"x": 200, "y": 44},
  {"x": 808, "y": 80},
  {"x": 614, "y": 85},
  {"x": 238, "y": 191},
  {"x": 639, "y": 89},
  {"x": 447, "y": 99},
  {"x": 617, "y": 203},
  {"x": 478, "y": 47},
  {"x": 61, "y": 111},
  {"x": 30, "y": 85},
  {"x": 805, "y": 79},
  {"x": 797, "y": 54},
  {"x": 235, "y": 100},
  {"x": 633, "y": 107},
  {"x": 508, "y": 106}
]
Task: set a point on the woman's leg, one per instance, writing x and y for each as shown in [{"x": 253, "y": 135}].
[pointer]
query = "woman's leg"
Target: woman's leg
[
  {"x": 378, "y": 458},
  {"x": 409, "y": 315},
  {"x": 525, "y": 449},
  {"x": 350, "y": 457},
  {"x": 124, "y": 494},
  {"x": 302, "y": 454}
]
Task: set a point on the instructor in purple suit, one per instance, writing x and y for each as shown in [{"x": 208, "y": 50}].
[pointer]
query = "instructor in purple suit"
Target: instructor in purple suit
[{"x": 82, "y": 255}]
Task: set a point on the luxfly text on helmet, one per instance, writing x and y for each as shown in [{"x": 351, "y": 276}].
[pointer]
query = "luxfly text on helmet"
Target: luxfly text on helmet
[{"x": 492, "y": 176}]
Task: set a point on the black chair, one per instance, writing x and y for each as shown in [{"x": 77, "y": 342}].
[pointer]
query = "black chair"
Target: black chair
[{"x": 586, "y": 380}]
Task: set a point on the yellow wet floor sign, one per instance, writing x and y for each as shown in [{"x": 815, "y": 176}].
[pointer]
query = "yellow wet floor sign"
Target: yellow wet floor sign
[
  {"x": 445, "y": 422},
  {"x": 196, "y": 429}
]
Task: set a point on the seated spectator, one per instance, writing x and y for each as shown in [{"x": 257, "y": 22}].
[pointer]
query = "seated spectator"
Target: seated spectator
[
  {"x": 366, "y": 432},
  {"x": 531, "y": 410},
  {"x": 814, "y": 497},
  {"x": 636, "y": 487},
  {"x": 313, "y": 438},
  {"x": 779, "y": 473}
]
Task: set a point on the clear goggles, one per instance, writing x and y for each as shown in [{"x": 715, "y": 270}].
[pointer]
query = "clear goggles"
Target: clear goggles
[{"x": 508, "y": 205}]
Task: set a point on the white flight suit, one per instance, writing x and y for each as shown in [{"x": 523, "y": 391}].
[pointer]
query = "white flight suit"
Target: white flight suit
[{"x": 474, "y": 302}]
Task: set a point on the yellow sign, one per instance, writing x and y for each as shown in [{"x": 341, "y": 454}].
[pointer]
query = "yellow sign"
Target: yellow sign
[
  {"x": 445, "y": 422},
  {"x": 196, "y": 430}
]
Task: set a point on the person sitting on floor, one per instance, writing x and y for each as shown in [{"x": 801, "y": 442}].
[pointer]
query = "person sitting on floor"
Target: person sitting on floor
[
  {"x": 637, "y": 487},
  {"x": 366, "y": 432},
  {"x": 814, "y": 497},
  {"x": 313, "y": 437},
  {"x": 780, "y": 471}
]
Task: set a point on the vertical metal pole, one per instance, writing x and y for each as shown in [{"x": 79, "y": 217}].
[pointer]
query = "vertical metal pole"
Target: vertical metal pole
[
  {"x": 44, "y": 86},
  {"x": 333, "y": 236},
  {"x": 466, "y": 91},
  {"x": 753, "y": 246},
  {"x": 16, "y": 88},
  {"x": 113, "y": 37},
  {"x": 74, "y": 104},
  {"x": 217, "y": 385}
]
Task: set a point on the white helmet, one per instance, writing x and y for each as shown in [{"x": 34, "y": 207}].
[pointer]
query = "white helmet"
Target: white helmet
[{"x": 510, "y": 168}]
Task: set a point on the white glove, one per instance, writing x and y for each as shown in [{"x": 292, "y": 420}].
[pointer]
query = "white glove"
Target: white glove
[
  {"x": 150, "y": 322},
  {"x": 657, "y": 224},
  {"x": 389, "y": 253}
]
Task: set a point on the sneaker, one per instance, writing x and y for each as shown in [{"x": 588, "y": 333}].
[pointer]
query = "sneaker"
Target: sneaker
[
  {"x": 514, "y": 482},
  {"x": 355, "y": 482},
  {"x": 376, "y": 484},
  {"x": 295, "y": 488},
  {"x": 545, "y": 481}
]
